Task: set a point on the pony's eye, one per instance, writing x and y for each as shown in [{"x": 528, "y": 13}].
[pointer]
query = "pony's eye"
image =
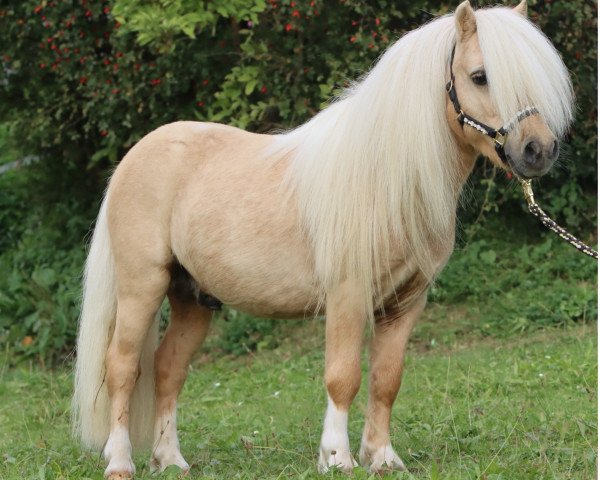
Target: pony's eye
[{"x": 479, "y": 78}]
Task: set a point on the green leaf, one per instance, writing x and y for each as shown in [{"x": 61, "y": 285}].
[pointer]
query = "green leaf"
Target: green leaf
[
  {"x": 44, "y": 277},
  {"x": 250, "y": 86},
  {"x": 488, "y": 256}
]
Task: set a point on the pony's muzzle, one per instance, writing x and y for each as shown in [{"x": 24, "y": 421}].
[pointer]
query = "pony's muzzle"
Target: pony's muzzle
[{"x": 535, "y": 158}]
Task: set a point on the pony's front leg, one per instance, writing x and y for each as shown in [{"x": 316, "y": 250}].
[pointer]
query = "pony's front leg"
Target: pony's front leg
[
  {"x": 386, "y": 362},
  {"x": 344, "y": 330},
  {"x": 187, "y": 330}
]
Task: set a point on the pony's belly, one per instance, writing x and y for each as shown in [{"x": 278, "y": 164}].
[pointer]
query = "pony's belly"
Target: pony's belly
[{"x": 280, "y": 291}]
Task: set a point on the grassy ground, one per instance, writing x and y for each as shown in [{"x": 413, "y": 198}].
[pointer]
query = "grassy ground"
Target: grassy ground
[{"x": 518, "y": 408}]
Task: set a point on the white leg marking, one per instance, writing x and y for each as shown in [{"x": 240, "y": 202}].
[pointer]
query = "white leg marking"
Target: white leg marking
[
  {"x": 117, "y": 453},
  {"x": 379, "y": 459},
  {"x": 335, "y": 446},
  {"x": 166, "y": 445}
]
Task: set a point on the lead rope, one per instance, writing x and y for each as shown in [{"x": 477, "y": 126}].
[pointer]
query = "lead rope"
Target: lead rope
[{"x": 535, "y": 209}]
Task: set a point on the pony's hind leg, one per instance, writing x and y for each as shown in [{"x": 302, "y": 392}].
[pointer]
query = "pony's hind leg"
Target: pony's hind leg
[
  {"x": 344, "y": 330},
  {"x": 386, "y": 362},
  {"x": 187, "y": 329},
  {"x": 137, "y": 304}
]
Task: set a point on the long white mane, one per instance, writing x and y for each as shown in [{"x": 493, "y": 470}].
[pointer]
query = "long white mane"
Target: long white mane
[{"x": 377, "y": 173}]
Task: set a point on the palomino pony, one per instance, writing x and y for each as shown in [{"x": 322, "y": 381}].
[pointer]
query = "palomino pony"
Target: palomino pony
[{"x": 352, "y": 215}]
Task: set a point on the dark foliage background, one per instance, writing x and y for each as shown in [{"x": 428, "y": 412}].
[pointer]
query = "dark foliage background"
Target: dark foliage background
[{"x": 82, "y": 81}]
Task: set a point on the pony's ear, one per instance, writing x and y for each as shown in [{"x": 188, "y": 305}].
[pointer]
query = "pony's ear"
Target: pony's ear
[
  {"x": 521, "y": 8},
  {"x": 464, "y": 17}
]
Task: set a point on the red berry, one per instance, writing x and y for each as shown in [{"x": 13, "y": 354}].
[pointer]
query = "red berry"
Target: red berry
[
  {"x": 509, "y": 175},
  {"x": 103, "y": 133},
  {"x": 288, "y": 27},
  {"x": 263, "y": 89}
]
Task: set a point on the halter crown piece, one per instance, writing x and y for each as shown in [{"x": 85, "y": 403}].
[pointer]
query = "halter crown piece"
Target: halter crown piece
[{"x": 499, "y": 137}]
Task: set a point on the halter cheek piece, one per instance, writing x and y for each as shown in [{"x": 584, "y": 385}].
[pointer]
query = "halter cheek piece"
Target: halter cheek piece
[{"x": 497, "y": 135}]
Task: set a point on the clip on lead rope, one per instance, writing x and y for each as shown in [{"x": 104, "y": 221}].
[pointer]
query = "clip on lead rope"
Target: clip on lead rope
[{"x": 551, "y": 224}]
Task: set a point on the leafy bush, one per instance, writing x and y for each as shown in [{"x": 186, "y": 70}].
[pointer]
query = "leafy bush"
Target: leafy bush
[
  {"x": 516, "y": 283},
  {"x": 41, "y": 261},
  {"x": 240, "y": 333},
  {"x": 84, "y": 81}
]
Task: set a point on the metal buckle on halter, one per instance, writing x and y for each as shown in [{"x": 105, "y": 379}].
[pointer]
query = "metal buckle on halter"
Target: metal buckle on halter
[{"x": 500, "y": 139}]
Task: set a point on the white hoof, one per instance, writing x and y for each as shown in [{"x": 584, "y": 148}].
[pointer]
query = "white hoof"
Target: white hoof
[
  {"x": 161, "y": 460},
  {"x": 117, "y": 453},
  {"x": 119, "y": 466},
  {"x": 340, "y": 458},
  {"x": 381, "y": 459}
]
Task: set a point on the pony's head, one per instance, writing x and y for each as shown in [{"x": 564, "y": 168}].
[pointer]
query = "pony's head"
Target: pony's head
[{"x": 505, "y": 73}]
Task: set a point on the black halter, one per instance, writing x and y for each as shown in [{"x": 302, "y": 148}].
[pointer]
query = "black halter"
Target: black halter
[{"x": 497, "y": 135}]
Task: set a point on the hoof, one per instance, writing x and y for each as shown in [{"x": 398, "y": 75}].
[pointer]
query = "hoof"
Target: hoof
[
  {"x": 119, "y": 476},
  {"x": 342, "y": 460},
  {"x": 159, "y": 465},
  {"x": 381, "y": 460}
]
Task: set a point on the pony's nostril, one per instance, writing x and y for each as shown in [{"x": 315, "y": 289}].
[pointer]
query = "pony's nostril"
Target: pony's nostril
[{"x": 532, "y": 152}]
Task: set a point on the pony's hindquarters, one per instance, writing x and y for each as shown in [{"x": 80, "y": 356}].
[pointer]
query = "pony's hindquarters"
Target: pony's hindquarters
[{"x": 90, "y": 407}]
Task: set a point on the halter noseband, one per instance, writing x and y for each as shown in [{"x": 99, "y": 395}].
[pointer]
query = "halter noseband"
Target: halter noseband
[{"x": 497, "y": 135}]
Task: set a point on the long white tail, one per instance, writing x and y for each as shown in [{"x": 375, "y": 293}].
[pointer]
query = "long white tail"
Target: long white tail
[{"x": 90, "y": 407}]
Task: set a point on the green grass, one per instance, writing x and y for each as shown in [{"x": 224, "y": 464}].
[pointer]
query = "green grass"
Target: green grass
[{"x": 470, "y": 407}]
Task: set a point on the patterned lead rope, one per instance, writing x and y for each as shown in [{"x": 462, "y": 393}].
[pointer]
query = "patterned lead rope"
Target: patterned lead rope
[{"x": 551, "y": 224}]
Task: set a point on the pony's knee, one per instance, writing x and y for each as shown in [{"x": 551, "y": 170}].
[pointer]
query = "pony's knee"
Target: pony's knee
[{"x": 343, "y": 384}]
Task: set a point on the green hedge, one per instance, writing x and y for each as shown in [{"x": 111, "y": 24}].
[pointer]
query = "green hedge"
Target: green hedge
[{"x": 80, "y": 87}]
